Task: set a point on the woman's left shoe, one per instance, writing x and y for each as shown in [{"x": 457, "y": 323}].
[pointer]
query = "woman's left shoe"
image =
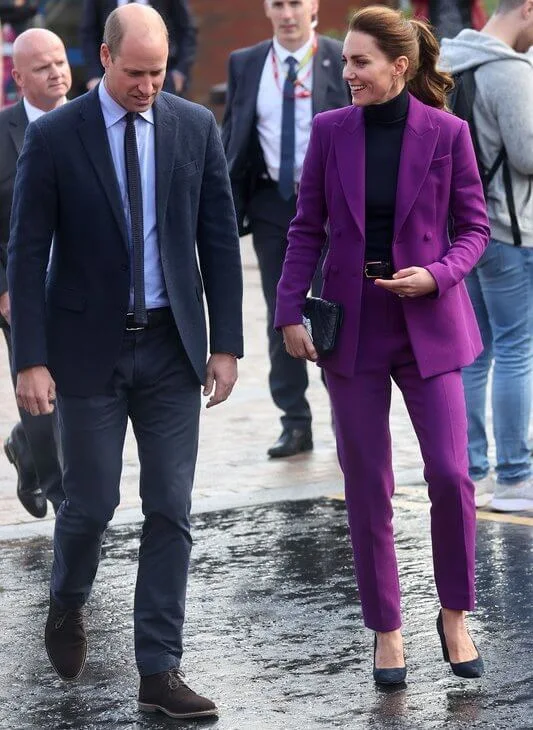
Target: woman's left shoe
[
  {"x": 468, "y": 670},
  {"x": 396, "y": 675}
]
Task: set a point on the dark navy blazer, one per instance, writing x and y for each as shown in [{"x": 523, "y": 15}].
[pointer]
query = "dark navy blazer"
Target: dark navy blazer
[{"x": 72, "y": 318}]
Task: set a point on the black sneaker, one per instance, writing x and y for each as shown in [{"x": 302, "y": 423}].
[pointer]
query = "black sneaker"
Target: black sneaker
[
  {"x": 168, "y": 692},
  {"x": 65, "y": 640}
]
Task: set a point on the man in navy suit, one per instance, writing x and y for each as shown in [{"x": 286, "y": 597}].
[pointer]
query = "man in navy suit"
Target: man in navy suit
[
  {"x": 133, "y": 186},
  {"x": 42, "y": 73},
  {"x": 274, "y": 90}
]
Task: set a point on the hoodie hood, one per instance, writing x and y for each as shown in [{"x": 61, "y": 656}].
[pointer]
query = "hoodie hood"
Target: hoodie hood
[{"x": 472, "y": 47}]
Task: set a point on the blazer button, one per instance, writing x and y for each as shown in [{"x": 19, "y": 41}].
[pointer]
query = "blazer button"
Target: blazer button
[
  {"x": 338, "y": 233},
  {"x": 428, "y": 236},
  {"x": 124, "y": 267},
  {"x": 335, "y": 269}
]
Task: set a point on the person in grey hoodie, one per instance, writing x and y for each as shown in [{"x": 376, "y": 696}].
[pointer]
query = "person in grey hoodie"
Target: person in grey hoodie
[{"x": 501, "y": 285}]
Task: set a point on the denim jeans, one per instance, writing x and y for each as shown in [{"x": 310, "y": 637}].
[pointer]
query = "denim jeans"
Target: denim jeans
[{"x": 501, "y": 290}]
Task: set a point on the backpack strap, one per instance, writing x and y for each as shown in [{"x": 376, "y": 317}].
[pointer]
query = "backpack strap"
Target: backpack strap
[{"x": 501, "y": 160}]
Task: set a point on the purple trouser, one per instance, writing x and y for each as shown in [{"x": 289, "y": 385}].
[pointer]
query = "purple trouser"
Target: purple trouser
[{"x": 361, "y": 406}]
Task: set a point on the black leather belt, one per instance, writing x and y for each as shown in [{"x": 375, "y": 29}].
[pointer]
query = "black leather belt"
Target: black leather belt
[
  {"x": 378, "y": 270},
  {"x": 155, "y": 317}
]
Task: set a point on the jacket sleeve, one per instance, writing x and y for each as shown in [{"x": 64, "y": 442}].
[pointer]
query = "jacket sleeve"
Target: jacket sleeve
[
  {"x": 183, "y": 42},
  {"x": 33, "y": 221},
  {"x": 219, "y": 250},
  {"x": 228, "y": 111},
  {"x": 469, "y": 214},
  {"x": 91, "y": 32},
  {"x": 307, "y": 235}
]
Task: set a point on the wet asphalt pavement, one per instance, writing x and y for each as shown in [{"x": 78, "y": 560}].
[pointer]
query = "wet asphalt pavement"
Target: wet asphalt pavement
[{"x": 274, "y": 631}]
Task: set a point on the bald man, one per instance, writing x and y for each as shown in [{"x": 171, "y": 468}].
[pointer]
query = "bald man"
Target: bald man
[
  {"x": 133, "y": 185},
  {"x": 42, "y": 73}
]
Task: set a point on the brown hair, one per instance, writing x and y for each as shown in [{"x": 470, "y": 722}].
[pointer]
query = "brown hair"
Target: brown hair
[{"x": 397, "y": 36}]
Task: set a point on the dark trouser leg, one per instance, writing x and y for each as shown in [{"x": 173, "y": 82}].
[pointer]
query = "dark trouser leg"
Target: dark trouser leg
[
  {"x": 92, "y": 435},
  {"x": 438, "y": 412},
  {"x": 36, "y": 440},
  {"x": 288, "y": 376},
  {"x": 164, "y": 409}
]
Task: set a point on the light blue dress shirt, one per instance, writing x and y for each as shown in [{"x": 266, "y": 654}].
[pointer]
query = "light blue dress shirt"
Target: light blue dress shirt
[{"x": 115, "y": 123}]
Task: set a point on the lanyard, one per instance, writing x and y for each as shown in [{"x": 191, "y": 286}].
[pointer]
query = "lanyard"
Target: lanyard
[{"x": 303, "y": 93}]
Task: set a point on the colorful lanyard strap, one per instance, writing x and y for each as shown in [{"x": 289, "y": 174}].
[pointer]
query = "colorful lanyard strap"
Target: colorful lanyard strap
[{"x": 303, "y": 93}]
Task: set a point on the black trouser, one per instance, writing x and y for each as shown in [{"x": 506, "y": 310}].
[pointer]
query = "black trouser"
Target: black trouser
[
  {"x": 270, "y": 217},
  {"x": 155, "y": 386},
  {"x": 35, "y": 440}
]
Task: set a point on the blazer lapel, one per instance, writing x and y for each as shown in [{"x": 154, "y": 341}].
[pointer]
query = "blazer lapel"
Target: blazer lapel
[
  {"x": 322, "y": 69},
  {"x": 94, "y": 138},
  {"x": 349, "y": 141},
  {"x": 418, "y": 147},
  {"x": 17, "y": 126},
  {"x": 249, "y": 86},
  {"x": 166, "y": 144}
]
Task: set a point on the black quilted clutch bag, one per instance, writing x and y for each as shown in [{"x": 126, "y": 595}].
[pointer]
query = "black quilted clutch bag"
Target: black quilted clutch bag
[{"x": 322, "y": 320}]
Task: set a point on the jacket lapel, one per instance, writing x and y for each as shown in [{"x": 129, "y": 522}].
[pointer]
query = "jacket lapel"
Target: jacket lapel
[
  {"x": 94, "y": 138},
  {"x": 166, "y": 132},
  {"x": 17, "y": 126},
  {"x": 249, "y": 84},
  {"x": 322, "y": 69},
  {"x": 349, "y": 141},
  {"x": 418, "y": 147}
]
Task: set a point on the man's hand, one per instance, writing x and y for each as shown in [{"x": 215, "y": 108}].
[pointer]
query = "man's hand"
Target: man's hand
[
  {"x": 36, "y": 391},
  {"x": 93, "y": 82},
  {"x": 5, "y": 307},
  {"x": 179, "y": 81},
  {"x": 298, "y": 343},
  {"x": 412, "y": 282},
  {"x": 222, "y": 373}
]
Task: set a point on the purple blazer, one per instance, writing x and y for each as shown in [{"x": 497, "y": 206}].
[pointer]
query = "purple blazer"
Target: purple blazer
[{"x": 438, "y": 176}]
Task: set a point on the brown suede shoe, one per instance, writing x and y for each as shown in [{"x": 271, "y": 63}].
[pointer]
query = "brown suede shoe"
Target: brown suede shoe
[
  {"x": 66, "y": 641},
  {"x": 169, "y": 693}
]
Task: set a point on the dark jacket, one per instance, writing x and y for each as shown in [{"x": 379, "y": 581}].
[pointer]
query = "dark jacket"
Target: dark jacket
[
  {"x": 66, "y": 188},
  {"x": 175, "y": 13},
  {"x": 13, "y": 123},
  {"x": 238, "y": 127}
]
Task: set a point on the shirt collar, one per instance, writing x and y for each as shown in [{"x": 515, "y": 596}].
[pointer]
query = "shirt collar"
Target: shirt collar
[
  {"x": 282, "y": 53},
  {"x": 113, "y": 112},
  {"x": 33, "y": 112}
]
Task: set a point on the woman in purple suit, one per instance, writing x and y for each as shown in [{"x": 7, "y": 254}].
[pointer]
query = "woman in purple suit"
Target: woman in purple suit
[{"x": 386, "y": 176}]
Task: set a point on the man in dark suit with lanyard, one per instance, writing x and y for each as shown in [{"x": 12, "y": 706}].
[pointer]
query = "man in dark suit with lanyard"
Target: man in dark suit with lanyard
[
  {"x": 274, "y": 90},
  {"x": 133, "y": 185},
  {"x": 181, "y": 30},
  {"x": 42, "y": 73}
]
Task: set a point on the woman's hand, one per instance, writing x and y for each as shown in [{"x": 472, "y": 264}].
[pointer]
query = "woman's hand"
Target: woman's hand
[
  {"x": 412, "y": 282},
  {"x": 298, "y": 343}
]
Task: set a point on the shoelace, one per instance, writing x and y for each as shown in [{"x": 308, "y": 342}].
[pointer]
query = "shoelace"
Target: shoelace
[
  {"x": 176, "y": 679},
  {"x": 77, "y": 617}
]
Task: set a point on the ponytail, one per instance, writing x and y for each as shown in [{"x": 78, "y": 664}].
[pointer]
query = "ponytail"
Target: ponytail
[
  {"x": 428, "y": 84},
  {"x": 397, "y": 36}
]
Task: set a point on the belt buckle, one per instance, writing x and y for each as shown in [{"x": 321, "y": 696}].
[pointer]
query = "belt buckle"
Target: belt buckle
[
  {"x": 372, "y": 276},
  {"x": 135, "y": 328}
]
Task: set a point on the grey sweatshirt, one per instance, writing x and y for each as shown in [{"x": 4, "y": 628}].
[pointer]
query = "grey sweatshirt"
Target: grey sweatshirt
[{"x": 503, "y": 115}]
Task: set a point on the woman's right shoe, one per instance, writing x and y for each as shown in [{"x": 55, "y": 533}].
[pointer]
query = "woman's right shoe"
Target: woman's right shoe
[
  {"x": 396, "y": 675},
  {"x": 468, "y": 670}
]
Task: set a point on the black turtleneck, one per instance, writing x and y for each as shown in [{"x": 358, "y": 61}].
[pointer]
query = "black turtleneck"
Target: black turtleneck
[{"x": 384, "y": 128}]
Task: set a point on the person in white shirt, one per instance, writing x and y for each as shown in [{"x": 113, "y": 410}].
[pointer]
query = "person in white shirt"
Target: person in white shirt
[
  {"x": 42, "y": 74},
  {"x": 274, "y": 90}
]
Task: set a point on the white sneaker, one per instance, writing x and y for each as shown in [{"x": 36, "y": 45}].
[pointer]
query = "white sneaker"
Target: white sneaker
[
  {"x": 513, "y": 497},
  {"x": 484, "y": 490}
]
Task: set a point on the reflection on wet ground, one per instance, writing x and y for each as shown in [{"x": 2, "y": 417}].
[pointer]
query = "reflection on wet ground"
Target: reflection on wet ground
[{"x": 274, "y": 631}]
